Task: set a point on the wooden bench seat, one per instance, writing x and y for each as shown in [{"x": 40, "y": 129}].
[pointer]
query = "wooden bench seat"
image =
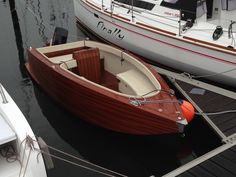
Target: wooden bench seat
[
  {"x": 62, "y": 58},
  {"x": 136, "y": 81}
]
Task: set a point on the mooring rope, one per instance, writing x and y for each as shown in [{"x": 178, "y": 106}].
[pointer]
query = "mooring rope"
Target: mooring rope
[
  {"x": 190, "y": 76},
  {"x": 79, "y": 165},
  {"x": 74, "y": 163},
  {"x": 84, "y": 160},
  {"x": 211, "y": 113},
  {"x": 27, "y": 162},
  {"x": 137, "y": 102},
  {"x": 21, "y": 162},
  {"x": 28, "y": 141},
  {"x": 11, "y": 155},
  {"x": 217, "y": 113}
]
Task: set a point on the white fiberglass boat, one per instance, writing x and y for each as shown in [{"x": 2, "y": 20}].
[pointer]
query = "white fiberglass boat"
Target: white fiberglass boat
[
  {"x": 18, "y": 154},
  {"x": 197, "y": 37}
]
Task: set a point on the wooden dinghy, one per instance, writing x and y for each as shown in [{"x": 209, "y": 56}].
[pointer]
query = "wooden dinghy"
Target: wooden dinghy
[{"x": 107, "y": 87}]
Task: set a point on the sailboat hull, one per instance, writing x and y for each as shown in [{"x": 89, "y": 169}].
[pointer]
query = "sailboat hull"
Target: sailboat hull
[{"x": 164, "y": 47}]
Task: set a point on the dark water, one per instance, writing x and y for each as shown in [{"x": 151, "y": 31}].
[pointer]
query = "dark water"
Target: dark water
[{"x": 25, "y": 23}]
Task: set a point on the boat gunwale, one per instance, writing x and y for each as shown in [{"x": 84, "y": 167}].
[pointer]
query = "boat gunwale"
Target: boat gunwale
[
  {"x": 136, "y": 61},
  {"x": 112, "y": 95}
]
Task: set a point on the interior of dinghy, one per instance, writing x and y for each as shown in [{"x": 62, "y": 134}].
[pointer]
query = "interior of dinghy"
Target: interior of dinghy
[{"x": 114, "y": 70}]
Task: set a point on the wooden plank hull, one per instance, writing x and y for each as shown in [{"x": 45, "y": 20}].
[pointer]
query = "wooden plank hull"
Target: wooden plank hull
[{"x": 101, "y": 107}]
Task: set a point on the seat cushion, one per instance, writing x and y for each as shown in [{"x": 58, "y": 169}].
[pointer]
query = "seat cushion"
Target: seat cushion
[{"x": 88, "y": 63}]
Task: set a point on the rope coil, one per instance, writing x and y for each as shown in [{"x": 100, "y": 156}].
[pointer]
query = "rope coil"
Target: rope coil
[{"x": 9, "y": 153}]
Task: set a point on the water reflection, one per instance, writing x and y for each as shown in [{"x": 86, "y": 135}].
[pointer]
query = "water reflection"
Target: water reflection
[
  {"x": 52, "y": 14},
  {"x": 4, "y": 2},
  {"x": 46, "y": 15},
  {"x": 130, "y": 155},
  {"x": 39, "y": 20},
  {"x": 34, "y": 8},
  {"x": 32, "y": 14},
  {"x": 18, "y": 36}
]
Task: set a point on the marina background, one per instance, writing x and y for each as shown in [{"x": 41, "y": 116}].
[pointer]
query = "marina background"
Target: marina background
[{"x": 26, "y": 23}]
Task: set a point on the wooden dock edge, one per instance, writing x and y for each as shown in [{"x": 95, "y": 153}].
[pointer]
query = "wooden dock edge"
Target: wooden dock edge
[
  {"x": 173, "y": 76},
  {"x": 200, "y": 159},
  {"x": 184, "y": 78},
  {"x": 228, "y": 142}
]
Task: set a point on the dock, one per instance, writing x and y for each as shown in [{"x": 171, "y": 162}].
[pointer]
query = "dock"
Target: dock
[{"x": 217, "y": 106}]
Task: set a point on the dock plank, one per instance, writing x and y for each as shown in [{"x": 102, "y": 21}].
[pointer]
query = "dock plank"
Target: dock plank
[
  {"x": 211, "y": 102},
  {"x": 223, "y": 164},
  {"x": 198, "y": 171}
]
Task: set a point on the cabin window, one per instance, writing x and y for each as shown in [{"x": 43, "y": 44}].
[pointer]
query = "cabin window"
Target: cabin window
[
  {"x": 138, "y": 3},
  {"x": 228, "y": 4},
  {"x": 187, "y": 7}
]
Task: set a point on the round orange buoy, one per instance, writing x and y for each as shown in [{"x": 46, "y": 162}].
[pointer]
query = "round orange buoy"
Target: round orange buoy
[{"x": 188, "y": 110}]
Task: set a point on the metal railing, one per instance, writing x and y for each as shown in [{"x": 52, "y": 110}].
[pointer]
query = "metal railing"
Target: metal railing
[
  {"x": 4, "y": 99},
  {"x": 181, "y": 25},
  {"x": 134, "y": 10}
]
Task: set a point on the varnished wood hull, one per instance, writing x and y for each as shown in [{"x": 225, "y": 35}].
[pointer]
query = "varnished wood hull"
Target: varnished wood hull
[{"x": 98, "y": 106}]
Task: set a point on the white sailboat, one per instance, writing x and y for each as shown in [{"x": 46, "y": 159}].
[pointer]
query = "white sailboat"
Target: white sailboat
[
  {"x": 19, "y": 155},
  {"x": 197, "y": 37}
]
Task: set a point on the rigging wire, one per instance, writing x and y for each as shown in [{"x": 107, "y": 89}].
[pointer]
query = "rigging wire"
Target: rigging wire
[
  {"x": 138, "y": 102},
  {"x": 190, "y": 76},
  {"x": 212, "y": 113}
]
